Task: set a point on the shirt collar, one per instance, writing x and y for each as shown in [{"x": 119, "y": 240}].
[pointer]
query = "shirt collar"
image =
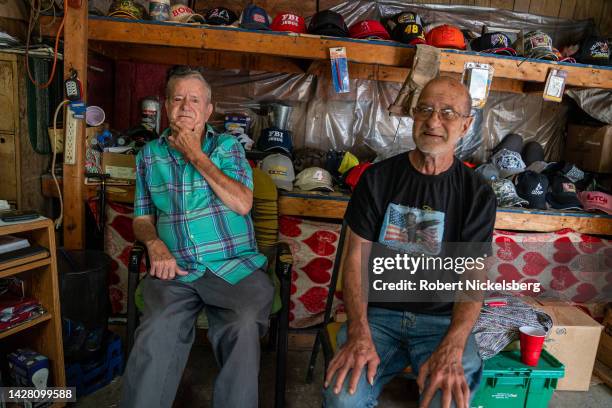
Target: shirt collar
[{"x": 163, "y": 138}]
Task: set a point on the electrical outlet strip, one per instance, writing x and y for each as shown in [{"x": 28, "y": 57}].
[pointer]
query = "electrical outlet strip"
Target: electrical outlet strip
[{"x": 70, "y": 138}]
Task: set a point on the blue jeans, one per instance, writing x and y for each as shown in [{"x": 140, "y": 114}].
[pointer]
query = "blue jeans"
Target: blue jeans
[{"x": 401, "y": 339}]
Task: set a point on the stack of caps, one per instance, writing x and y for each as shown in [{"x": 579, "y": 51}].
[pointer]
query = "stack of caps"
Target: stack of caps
[{"x": 265, "y": 210}]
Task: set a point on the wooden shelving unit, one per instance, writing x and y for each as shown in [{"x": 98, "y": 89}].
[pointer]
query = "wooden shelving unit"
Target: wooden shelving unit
[
  {"x": 39, "y": 272},
  {"x": 230, "y": 48}
]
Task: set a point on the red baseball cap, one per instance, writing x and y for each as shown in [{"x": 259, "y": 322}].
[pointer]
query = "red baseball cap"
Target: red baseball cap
[
  {"x": 368, "y": 29},
  {"x": 596, "y": 200},
  {"x": 288, "y": 22},
  {"x": 446, "y": 36},
  {"x": 354, "y": 174}
]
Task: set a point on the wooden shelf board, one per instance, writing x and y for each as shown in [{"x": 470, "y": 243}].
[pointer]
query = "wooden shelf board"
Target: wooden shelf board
[
  {"x": 25, "y": 264},
  {"x": 191, "y": 38},
  {"x": 333, "y": 205},
  {"x": 45, "y": 317}
]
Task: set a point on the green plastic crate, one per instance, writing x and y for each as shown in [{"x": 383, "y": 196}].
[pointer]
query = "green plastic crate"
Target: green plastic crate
[{"x": 508, "y": 383}]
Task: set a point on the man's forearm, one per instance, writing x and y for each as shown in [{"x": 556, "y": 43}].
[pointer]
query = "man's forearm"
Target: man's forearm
[
  {"x": 234, "y": 194},
  {"x": 144, "y": 230},
  {"x": 352, "y": 286},
  {"x": 463, "y": 320}
]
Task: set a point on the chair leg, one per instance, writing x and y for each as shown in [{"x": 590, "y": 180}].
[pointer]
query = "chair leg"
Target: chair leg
[
  {"x": 272, "y": 334},
  {"x": 313, "y": 357}
]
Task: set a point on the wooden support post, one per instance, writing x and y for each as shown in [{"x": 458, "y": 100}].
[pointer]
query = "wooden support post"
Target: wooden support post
[{"x": 75, "y": 57}]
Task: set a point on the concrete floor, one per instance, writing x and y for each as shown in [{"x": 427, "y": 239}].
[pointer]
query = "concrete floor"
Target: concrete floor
[{"x": 196, "y": 386}]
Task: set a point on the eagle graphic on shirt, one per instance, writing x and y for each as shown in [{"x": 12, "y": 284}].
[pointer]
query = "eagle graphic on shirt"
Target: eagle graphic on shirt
[{"x": 411, "y": 229}]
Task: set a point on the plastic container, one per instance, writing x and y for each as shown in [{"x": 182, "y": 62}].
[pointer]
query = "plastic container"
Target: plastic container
[{"x": 508, "y": 383}]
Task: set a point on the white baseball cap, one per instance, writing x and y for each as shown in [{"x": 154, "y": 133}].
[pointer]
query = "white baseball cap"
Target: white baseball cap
[{"x": 280, "y": 169}]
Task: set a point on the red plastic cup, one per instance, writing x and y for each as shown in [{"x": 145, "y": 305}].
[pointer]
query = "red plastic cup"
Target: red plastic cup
[{"x": 532, "y": 340}]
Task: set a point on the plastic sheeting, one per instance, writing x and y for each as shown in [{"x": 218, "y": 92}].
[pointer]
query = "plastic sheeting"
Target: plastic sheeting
[{"x": 595, "y": 102}]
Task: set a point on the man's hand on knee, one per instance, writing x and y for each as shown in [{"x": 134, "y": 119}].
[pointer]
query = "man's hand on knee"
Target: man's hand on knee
[
  {"x": 353, "y": 356},
  {"x": 163, "y": 264},
  {"x": 445, "y": 372}
]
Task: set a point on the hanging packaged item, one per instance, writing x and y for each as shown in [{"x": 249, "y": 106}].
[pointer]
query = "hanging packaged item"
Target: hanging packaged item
[
  {"x": 478, "y": 77},
  {"x": 339, "y": 65},
  {"x": 151, "y": 113}
]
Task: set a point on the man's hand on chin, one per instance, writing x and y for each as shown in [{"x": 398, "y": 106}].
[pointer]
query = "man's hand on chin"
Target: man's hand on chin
[
  {"x": 443, "y": 370},
  {"x": 186, "y": 137}
]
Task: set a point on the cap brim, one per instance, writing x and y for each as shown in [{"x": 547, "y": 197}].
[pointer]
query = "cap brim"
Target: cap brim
[
  {"x": 570, "y": 204},
  {"x": 314, "y": 186},
  {"x": 283, "y": 148},
  {"x": 255, "y": 26},
  {"x": 332, "y": 32},
  {"x": 513, "y": 202},
  {"x": 284, "y": 184}
]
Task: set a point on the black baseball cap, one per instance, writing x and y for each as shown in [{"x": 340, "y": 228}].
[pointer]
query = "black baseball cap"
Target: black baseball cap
[
  {"x": 595, "y": 50},
  {"x": 493, "y": 43},
  {"x": 562, "y": 194},
  {"x": 220, "y": 16},
  {"x": 512, "y": 141},
  {"x": 532, "y": 187},
  {"x": 532, "y": 152},
  {"x": 328, "y": 22},
  {"x": 405, "y": 27}
]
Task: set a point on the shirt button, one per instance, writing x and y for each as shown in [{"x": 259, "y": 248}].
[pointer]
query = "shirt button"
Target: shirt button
[{"x": 191, "y": 236}]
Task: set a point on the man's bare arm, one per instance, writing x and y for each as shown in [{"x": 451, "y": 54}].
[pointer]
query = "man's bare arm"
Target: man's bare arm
[
  {"x": 163, "y": 264},
  {"x": 359, "y": 350}
]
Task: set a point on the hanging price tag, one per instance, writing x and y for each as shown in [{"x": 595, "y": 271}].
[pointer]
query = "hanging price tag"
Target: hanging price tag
[{"x": 555, "y": 85}]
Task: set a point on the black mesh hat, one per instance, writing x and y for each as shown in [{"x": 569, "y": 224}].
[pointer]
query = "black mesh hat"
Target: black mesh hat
[
  {"x": 532, "y": 152},
  {"x": 328, "y": 22},
  {"x": 562, "y": 195}
]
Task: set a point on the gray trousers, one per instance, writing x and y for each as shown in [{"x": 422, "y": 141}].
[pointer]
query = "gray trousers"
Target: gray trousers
[{"x": 238, "y": 317}]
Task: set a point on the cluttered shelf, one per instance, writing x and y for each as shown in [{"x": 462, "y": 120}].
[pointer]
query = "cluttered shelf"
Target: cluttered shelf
[
  {"x": 24, "y": 264},
  {"x": 137, "y": 39},
  {"x": 26, "y": 325},
  {"x": 333, "y": 206}
]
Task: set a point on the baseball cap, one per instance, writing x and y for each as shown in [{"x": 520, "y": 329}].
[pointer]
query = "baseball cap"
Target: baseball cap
[
  {"x": 328, "y": 22},
  {"x": 280, "y": 169},
  {"x": 220, "y": 16},
  {"x": 273, "y": 138},
  {"x": 532, "y": 152},
  {"x": 512, "y": 141},
  {"x": 406, "y": 27},
  {"x": 125, "y": 9},
  {"x": 288, "y": 22},
  {"x": 505, "y": 192},
  {"x": 487, "y": 172},
  {"x": 446, "y": 36},
  {"x": 348, "y": 162},
  {"x": 532, "y": 187},
  {"x": 308, "y": 157},
  {"x": 539, "y": 166},
  {"x": 314, "y": 178},
  {"x": 354, "y": 174},
  {"x": 594, "y": 50},
  {"x": 493, "y": 43},
  {"x": 254, "y": 18},
  {"x": 596, "y": 200},
  {"x": 263, "y": 186},
  {"x": 572, "y": 173},
  {"x": 368, "y": 29},
  {"x": 183, "y": 14},
  {"x": 537, "y": 44},
  {"x": 508, "y": 162},
  {"x": 562, "y": 195}
]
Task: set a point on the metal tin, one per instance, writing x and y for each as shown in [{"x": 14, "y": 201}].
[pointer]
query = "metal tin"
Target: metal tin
[
  {"x": 151, "y": 113},
  {"x": 159, "y": 10}
]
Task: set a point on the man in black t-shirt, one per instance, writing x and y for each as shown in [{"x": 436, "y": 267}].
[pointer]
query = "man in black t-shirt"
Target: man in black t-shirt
[{"x": 413, "y": 202}]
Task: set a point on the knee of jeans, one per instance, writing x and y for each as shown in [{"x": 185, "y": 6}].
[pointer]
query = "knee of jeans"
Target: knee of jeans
[{"x": 346, "y": 400}]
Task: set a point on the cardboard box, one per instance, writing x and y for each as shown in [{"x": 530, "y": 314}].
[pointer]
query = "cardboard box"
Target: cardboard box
[
  {"x": 573, "y": 340},
  {"x": 119, "y": 166},
  {"x": 589, "y": 147}
]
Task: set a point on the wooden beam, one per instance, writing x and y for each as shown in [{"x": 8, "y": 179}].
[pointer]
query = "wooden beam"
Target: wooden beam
[
  {"x": 203, "y": 58},
  {"x": 75, "y": 57},
  {"x": 382, "y": 53},
  {"x": 548, "y": 221}
]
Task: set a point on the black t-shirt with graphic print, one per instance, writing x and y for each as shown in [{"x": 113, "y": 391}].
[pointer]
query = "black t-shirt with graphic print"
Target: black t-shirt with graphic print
[{"x": 396, "y": 205}]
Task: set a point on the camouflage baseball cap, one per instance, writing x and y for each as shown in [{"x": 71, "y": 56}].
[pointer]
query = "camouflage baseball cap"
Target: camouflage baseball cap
[{"x": 506, "y": 194}]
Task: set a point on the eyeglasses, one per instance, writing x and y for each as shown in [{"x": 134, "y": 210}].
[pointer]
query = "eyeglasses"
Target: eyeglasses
[{"x": 446, "y": 114}]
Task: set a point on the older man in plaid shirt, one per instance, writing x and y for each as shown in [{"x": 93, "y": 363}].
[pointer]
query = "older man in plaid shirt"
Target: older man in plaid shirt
[{"x": 193, "y": 198}]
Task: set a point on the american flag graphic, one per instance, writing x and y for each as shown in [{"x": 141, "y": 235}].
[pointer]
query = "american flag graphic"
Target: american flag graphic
[{"x": 414, "y": 229}]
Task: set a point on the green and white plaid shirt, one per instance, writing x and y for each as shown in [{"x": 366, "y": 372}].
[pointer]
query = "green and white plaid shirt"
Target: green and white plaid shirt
[{"x": 200, "y": 231}]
